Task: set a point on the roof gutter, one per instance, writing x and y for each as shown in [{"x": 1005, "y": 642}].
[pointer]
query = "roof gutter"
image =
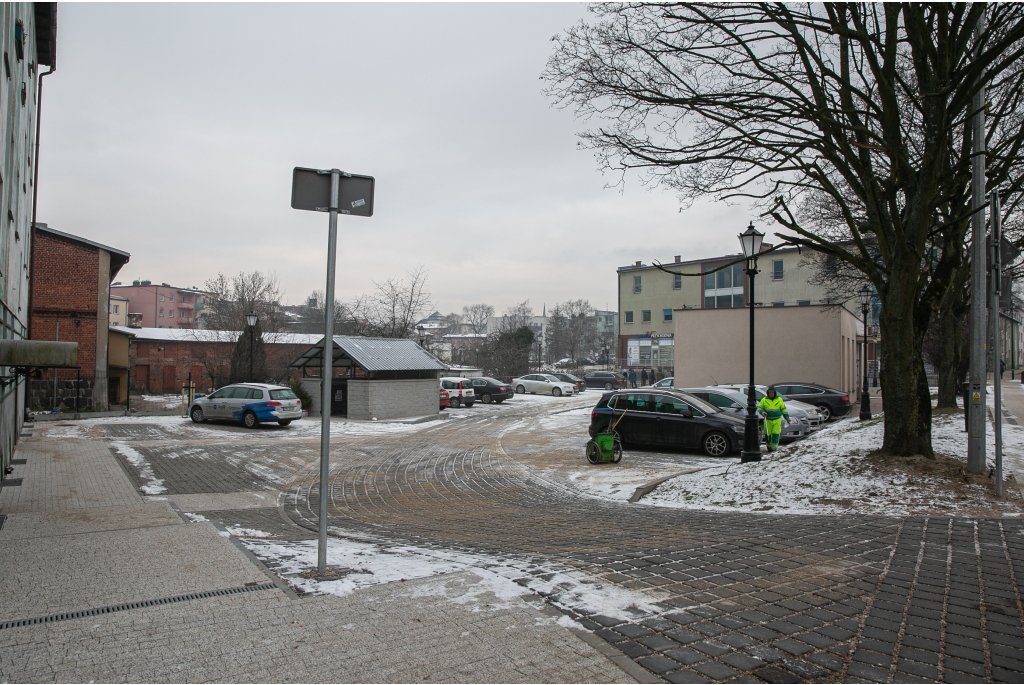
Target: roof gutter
[{"x": 35, "y": 192}]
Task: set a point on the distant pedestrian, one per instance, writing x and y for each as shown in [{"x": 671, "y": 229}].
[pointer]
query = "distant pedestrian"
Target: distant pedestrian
[
  {"x": 632, "y": 378},
  {"x": 643, "y": 376},
  {"x": 1002, "y": 367}
]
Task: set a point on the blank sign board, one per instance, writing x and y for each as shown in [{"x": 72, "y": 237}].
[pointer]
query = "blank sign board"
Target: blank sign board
[{"x": 311, "y": 190}]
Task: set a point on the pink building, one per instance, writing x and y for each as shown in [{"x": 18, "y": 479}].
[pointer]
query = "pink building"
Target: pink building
[{"x": 163, "y": 305}]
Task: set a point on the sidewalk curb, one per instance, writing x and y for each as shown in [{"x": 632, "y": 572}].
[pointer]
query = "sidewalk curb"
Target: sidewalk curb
[
  {"x": 630, "y": 667},
  {"x": 648, "y": 488}
]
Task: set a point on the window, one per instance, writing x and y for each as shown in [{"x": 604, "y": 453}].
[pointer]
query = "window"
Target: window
[
  {"x": 677, "y": 281},
  {"x": 667, "y": 314},
  {"x": 776, "y": 269},
  {"x": 283, "y": 395},
  {"x": 636, "y": 284},
  {"x": 629, "y": 317},
  {"x": 778, "y": 304},
  {"x": 162, "y": 299},
  {"x": 170, "y": 313},
  {"x": 258, "y": 395},
  {"x": 724, "y": 288},
  {"x": 804, "y": 303},
  {"x": 723, "y": 402},
  {"x": 634, "y": 403},
  {"x": 645, "y": 316},
  {"x": 242, "y": 393},
  {"x": 161, "y": 312},
  {"x": 116, "y": 308},
  {"x": 184, "y": 298},
  {"x": 172, "y": 297},
  {"x": 221, "y": 394}
]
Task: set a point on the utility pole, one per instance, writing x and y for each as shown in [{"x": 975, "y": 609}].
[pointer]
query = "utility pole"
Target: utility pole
[{"x": 979, "y": 349}]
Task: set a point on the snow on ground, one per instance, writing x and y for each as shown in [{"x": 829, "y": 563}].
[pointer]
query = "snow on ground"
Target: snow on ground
[
  {"x": 164, "y": 401},
  {"x": 154, "y": 485},
  {"x": 831, "y": 472},
  {"x": 362, "y": 564}
]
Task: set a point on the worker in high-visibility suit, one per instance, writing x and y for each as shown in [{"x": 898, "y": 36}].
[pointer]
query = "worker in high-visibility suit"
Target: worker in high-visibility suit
[{"x": 773, "y": 409}]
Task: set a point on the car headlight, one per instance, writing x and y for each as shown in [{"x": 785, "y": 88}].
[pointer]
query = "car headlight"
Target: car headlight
[{"x": 738, "y": 429}]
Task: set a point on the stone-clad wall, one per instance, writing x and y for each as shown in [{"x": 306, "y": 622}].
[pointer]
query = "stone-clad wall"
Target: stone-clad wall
[{"x": 392, "y": 399}]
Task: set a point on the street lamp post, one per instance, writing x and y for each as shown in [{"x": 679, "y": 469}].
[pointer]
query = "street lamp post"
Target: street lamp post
[
  {"x": 750, "y": 240},
  {"x": 422, "y": 331},
  {"x": 865, "y": 396},
  {"x": 251, "y": 319}
]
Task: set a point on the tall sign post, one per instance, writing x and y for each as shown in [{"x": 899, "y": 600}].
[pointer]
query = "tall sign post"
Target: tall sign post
[
  {"x": 975, "y": 401},
  {"x": 995, "y": 290},
  {"x": 335, "y": 192}
]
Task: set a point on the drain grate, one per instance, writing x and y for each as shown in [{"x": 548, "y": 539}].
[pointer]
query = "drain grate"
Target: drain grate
[{"x": 21, "y": 623}]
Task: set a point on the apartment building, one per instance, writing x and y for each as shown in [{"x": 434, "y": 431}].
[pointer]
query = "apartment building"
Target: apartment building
[
  {"x": 162, "y": 305},
  {"x": 649, "y": 298},
  {"x": 28, "y": 33},
  {"x": 118, "y": 314}
]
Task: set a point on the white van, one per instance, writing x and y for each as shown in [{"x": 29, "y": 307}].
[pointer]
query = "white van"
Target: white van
[{"x": 460, "y": 391}]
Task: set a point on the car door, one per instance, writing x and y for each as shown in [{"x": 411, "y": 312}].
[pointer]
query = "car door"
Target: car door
[
  {"x": 239, "y": 398},
  {"x": 216, "y": 406},
  {"x": 638, "y": 423},
  {"x": 678, "y": 422}
]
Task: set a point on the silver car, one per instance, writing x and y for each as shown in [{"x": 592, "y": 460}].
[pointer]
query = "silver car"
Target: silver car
[
  {"x": 542, "y": 382},
  {"x": 814, "y": 419},
  {"x": 736, "y": 403},
  {"x": 250, "y": 403}
]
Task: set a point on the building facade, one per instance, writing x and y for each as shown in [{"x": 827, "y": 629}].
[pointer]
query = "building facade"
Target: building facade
[
  {"x": 118, "y": 314},
  {"x": 28, "y": 33},
  {"x": 649, "y": 298},
  {"x": 163, "y": 305},
  {"x": 70, "y": 302}
]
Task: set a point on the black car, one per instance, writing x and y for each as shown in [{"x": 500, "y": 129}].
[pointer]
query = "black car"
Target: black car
[
  {"x": 489, "y": 390},
  {"x": 831, "y": 403},
  {"x": 609, "y": 380},
  {"x": 661, "y": 418},
  {"x": 580, "y": 384}
]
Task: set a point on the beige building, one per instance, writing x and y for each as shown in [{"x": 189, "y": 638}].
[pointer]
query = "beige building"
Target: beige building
[
  {"x": 650, "y": 298},
  {"x": 118, "y": 314},
  {"x": 809, "y": 344}
]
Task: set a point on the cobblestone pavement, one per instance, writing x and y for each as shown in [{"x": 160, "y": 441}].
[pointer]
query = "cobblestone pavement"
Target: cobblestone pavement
[{"x": 731, "y": 597}]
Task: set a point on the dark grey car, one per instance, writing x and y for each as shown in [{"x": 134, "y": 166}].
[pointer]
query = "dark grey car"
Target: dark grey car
[{"x": 831, "y": 403}]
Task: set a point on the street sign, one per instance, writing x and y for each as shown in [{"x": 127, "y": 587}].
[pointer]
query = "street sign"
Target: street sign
[{"x": 311, "y": 190}]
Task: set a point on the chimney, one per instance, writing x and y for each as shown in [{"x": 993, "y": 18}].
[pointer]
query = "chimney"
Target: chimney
[
  {"x": 679, "y": 258},
  {"x": 638, "y": 263},
  {"x": 766, "y": 246}
]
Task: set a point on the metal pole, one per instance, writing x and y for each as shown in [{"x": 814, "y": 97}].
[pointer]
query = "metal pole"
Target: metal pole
[
  {"x": 56, "y": 338},
  {"x": 751, "y": 445},
  {"x": 976, "y": 414},
  {"x": 326, "y": 374},
  {"x": 994, "y": 292},
  {"x": 251, "y": 350},
  {"x": 865, "y": 396},
  {"x": 128, "y": 382}
]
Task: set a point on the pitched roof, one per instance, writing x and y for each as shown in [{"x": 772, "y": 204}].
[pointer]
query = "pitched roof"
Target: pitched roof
[
  {"x": 203, "y": 335},
  {"x": 373, "y": 354}
]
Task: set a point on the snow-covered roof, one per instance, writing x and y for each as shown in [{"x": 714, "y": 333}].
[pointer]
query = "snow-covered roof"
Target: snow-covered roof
[
  {"x": 373, "y": 354},
  {"x": 203, "y": 335}
]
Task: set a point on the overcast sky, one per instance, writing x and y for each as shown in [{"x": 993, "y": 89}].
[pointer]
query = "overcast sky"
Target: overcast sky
[{"x": 171, "y": 131}]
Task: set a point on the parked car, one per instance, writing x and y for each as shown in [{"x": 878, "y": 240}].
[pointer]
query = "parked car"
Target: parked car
[
  {"x": 250, "y": 403},
  {"x": 663, "y": 418},
  {"x": 443, "y": 399},
  {"x": 564, "y": 362},
  {"x": 814, "y": 418},
  {"x": 831, "y": 403},
  {"x": 736, "y": 403},
  {"x": 664, "y": 383},
  {"x": 542, "y": 382},
  {"x": 460, "y": 391},
  {"x": 609, "y": 380},
  {"x": 489, "y": 390},
  {"x": 580, "y": 384},
  {"x": 585, "y": 361}
]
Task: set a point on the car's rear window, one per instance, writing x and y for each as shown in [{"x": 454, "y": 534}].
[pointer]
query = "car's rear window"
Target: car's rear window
[{"x": 284, "y": 394}]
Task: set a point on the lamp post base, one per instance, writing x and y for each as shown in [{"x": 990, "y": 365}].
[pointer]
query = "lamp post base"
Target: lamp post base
[
  {"x": 751, "y": 443},
  {"x": 865, "y": 406}
]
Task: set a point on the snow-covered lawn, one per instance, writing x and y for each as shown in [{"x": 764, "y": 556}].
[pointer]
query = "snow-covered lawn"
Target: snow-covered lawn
[{"x": 833, "y": 472}]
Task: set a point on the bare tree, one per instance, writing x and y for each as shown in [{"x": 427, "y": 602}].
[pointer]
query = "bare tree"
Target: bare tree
[
  {"x": 394, "y": 306},
  {"x": 866, "y": 104},
  {"x": 314, "y": 312},
  {"x": 231, "y": 299},
  {"x": 571, "y": 330},
  {"x": 517, "y": 316},
  {"x": 476, "y": 315}
]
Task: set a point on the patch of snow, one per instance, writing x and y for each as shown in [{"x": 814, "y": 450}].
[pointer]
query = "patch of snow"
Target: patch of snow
[
  {"x": 240, "y": 532},
  {"x": 195, "y": 518},
  {"x": 166, "y": 401},
  {"x": 65, "y": 431},
  {"x": 155, "y": 485}
]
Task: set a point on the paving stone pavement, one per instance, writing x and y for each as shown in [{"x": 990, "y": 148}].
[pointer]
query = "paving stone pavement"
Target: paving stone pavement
[
  {"x": 733, "y": 597},
  {"x": 127, "y": 590}
]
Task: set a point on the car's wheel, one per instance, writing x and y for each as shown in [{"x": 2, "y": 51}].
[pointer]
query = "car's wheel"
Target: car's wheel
[
  {"x": 454, "y": 402},
  {"x": 607, "y": 386},
  {"x": 284, "y": 422},
  {"x": 485, "y": 398},
  {"x": 521, "y": 389},
  {"x": 197, "y": 415},
  {"x": 826, "y": 412},
  {"x": 716, "y": 444},
  {"x": 556, "y": 392},
  {"x": 250, "y": 420}
]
